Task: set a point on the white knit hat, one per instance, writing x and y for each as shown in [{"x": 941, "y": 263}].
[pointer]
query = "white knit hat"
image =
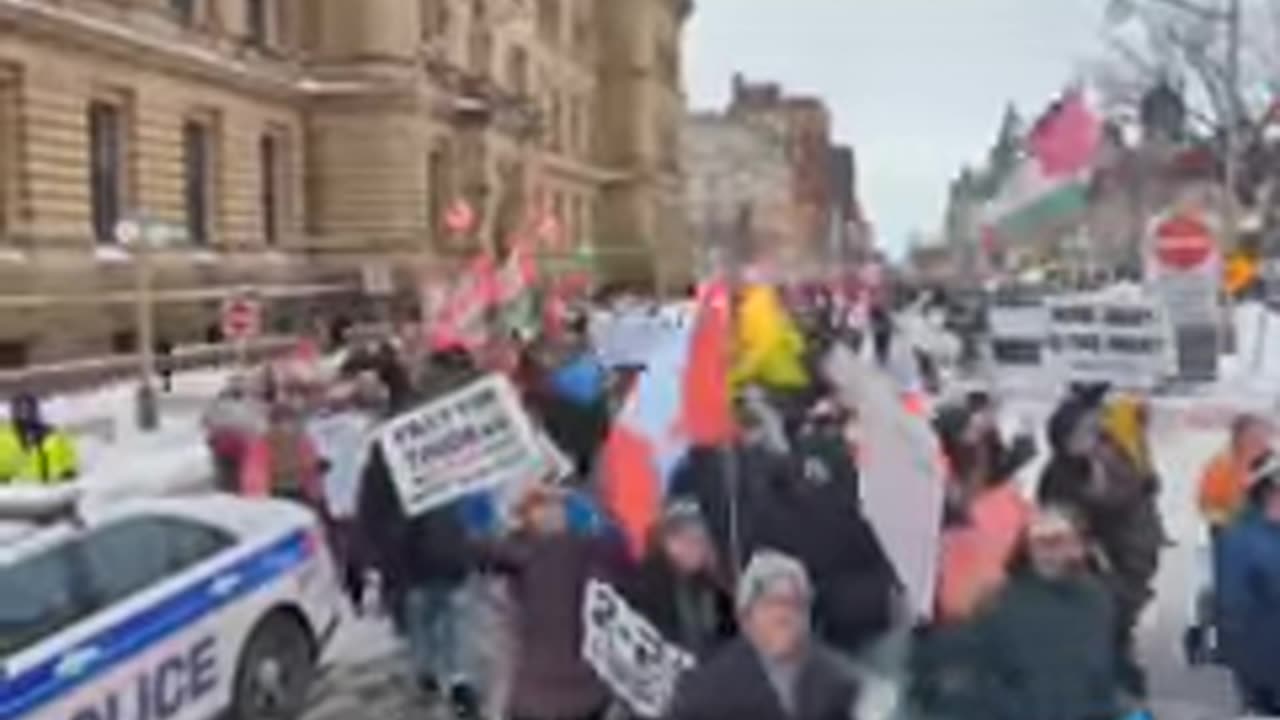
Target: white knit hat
[{"x": 768, "y": 572}]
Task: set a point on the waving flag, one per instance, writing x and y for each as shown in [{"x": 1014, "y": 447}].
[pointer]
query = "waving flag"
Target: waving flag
[
  {"x": 645, "y": 443},
  {"x": 770, "y": 346},
  {"x": 1051, "y": 184},
  {"x": 460, "y": 319},
  {"x": 707, "y": 413}
]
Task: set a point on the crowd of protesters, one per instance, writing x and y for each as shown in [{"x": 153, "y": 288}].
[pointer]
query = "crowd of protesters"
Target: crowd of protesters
[{"x": 776, "y": 583}]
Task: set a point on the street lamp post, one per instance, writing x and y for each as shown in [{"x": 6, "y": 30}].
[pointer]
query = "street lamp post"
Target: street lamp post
[{"x": 143, "y": 237}]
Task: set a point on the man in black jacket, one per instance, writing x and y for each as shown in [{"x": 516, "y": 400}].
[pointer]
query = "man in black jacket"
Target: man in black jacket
[{"x": 425, "y": 561}]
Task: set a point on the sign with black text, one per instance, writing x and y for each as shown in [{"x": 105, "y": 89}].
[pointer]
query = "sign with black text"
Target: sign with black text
[
  {"x": 1123, "y": 341},
  {"x": 473, "y": 439},
  {"x": 629, "y": 655}
]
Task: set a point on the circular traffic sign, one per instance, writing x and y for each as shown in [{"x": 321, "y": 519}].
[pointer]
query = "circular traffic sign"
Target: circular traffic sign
[
  {"x": 1184, "y": 242},
  {"x": 241, "y": 318}
]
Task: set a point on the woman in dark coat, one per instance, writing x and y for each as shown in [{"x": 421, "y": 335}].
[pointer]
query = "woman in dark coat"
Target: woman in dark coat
[
  {"x": 678, "y": 586},
  {"x": 549, "y": 566},
  {"x": 1044, "y": 651},
  {"x": 1248, "y": 588}
]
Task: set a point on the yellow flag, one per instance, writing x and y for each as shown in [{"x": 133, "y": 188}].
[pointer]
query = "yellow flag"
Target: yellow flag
[{"x": 770, "y": 347}]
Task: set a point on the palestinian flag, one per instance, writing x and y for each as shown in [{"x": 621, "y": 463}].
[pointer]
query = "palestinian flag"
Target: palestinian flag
[{"x": 1050, "y": 186}]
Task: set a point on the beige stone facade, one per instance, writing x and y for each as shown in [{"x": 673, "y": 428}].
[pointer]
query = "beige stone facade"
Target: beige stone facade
[{"x": 292, "y": 142}]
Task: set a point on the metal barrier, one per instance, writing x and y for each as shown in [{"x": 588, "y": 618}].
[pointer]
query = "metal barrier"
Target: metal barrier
[{"x": 91, "y": 373}]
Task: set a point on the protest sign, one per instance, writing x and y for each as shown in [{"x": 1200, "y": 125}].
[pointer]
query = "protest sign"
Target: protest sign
[
  {"x": 1123, "y": 341},
  {"x": 902, "y": 478},
  {"x": 1018, "y": 334},
  {"x": 629, "y": 655},
  {"x": 476, "y": 438},
  {"x": 626, "y": 337}
]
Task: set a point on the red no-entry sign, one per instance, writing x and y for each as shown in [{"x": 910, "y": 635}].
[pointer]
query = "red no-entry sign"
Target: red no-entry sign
[
  {"x": 1184, "y": 241},
  {"x": 241, "y": 318}
]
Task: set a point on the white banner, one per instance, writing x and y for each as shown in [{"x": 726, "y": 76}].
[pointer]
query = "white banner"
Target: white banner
[
  {"x": 1106, "y": 339},
  {"x": 627, "y": 337},
  {"x": 629, "y": 655},
  {"x": 473, "y": 439},
  {"x": 902, "y": 478}
]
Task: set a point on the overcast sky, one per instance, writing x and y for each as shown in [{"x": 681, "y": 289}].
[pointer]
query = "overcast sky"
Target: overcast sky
[{"x": 916, "y": 86}]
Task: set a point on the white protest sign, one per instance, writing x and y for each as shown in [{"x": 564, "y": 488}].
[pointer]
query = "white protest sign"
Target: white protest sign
[
  {"x": 472, "y": 439},
  {"x": 1018, "y": 335},
  {"x": 1123, "y": 341},
  {"x": 903, "y": 483},
  {"x": 627, "y": 337},
  {"x": 629, "y": 655}
]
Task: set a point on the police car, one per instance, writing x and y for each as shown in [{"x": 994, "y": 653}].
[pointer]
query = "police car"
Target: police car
[{"x": 166, "y": 609}]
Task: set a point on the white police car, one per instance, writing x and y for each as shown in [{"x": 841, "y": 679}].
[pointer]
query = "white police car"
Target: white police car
[{"x": 166, "y": 609}]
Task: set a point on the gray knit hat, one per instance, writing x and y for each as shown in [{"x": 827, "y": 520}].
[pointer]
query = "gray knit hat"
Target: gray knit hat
[{"x": 770, "y": 571}]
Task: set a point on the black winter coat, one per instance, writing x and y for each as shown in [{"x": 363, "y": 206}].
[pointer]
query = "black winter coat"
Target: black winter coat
[
  {"x": 821, "y": 525},
  {"x": 702, "y": 477},
  {"x": 655, "y": 591},
  {"x": 430, "y": 548},
  {"x": 734, "y": 686}
]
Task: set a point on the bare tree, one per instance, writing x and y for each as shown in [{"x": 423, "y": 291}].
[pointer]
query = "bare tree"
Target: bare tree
[{"x": 1185, "y": 43}]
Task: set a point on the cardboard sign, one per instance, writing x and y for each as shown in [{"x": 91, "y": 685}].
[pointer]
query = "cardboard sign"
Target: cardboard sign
[
  {"x": 1097, "y": 339},
  {"x": 629, "y": 655},
  {"x": 476, "y": 438}
]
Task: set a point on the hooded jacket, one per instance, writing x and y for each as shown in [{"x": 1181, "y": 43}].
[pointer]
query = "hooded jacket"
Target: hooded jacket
[
  {"x": 1248, "y": 590},
  {"x": 821, "y": 525},
  {"x": 694, "y": 612}
]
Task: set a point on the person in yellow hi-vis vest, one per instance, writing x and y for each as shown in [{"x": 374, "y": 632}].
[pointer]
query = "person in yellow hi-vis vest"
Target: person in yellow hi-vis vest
[{"x": 31, "y": 450}]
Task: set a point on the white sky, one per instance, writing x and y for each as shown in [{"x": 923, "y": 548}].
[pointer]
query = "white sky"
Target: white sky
[{"x": 916, "y": 86}]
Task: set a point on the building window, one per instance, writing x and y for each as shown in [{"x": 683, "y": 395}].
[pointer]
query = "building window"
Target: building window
[
  {"x": 271, "y": 169},
  {"x": 518, "y": 69},
  {"x": 106, "y": 168},
  {"x": 435, "y": 19},
  {"x": 10, "y": 97},
  {"x": 258, "y": 22},
  {"x": 549, "y": 21},
  {"x": 197, "y": 167},
  {"x": 437, "y": 190},
  {"x": 184, "y": 10},
  {"x": 14, "y": 354}
]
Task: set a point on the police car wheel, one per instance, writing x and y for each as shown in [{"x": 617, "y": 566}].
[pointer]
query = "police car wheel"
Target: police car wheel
[{"x": 275, "y": 671}]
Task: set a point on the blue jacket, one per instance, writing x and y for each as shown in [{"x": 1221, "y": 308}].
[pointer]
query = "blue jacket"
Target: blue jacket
[{"x": 1248, "y": 590}]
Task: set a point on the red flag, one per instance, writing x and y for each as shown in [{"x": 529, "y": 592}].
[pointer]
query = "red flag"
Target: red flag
[
  {"x": 631, "y": 488},
  {"x": 1066, "y": 140},
  {"x": 706, "y": 414},
  {"x": 459, "y": 321}
]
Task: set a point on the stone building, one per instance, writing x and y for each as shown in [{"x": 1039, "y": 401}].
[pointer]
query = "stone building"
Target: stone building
[
  {"x": 738, "y": 188},
  {"x": 804, "y": 123},
  {"x": 287, "y": 144}
]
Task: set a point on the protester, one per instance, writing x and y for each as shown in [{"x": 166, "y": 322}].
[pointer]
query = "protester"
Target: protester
[
  {"x": 777, "y": 670},
  {"x": 1224, "y": 483},
  {"x": 1102, "y": 471},
  {"x": 680, "y": 586},
  {"x": 1045, "y": 649},
  {"x": 340, "y": 433},
  {"x": 814, "y": 515},
  {"x": 32, "y": 450},
  {"x": 282, "y": 462},
  {"x": 230, "y": 423},
  {"x": 881, "y": 333},
  {"x": 1248, "y": 592},
  {"x": 424, "y": 562},
  {"x": 549, "y": 567},
  {"x": 574, "y": 402},
  {"x": 987, "y": 514}
]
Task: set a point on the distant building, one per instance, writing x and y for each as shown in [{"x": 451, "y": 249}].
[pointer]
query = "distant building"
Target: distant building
[
  {"x": 738, "y": 188},
  {"x": 804, "y": 123},
  {"x": 293, "y": 142}
]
